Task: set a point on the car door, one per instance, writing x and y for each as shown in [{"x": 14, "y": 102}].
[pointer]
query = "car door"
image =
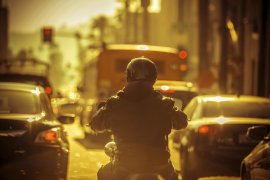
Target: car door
[{"x": 260, "y": 168}]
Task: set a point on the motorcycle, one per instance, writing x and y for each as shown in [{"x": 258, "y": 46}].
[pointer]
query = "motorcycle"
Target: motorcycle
[{"x": 110, "y": 150}]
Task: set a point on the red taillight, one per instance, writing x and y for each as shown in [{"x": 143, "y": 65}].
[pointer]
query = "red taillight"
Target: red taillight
[
  {"x": 203, "y": 130},
  {"x": 48, "y": 90},
  {"x": 168, "y": 91},
  {"x": 50, "y": 136}
]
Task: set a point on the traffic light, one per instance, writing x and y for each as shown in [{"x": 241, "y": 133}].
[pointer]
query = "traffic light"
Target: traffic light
[
  {"x": 47, "y": 35},
  {"x": 183, "y": 63}
]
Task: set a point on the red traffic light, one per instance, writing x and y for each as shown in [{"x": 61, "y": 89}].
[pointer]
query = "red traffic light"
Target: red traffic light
[
  {"x": 47, "y": 34},
  {"x": 47, "y": 31},
  {"x": 183, "y": 54}
]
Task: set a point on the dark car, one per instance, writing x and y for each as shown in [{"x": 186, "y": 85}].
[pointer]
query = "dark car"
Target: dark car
[
  {"x": 33, "y": 142},
  {"x": 257, "y": 164},
  {"x": 215, "y": 142}
]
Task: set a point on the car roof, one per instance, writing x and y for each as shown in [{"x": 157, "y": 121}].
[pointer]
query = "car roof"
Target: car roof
[
  {"x": 140, "y": 47},
  {"x": 17, "y": 77},
  {"x": 231, "y": 97},
  {"x": 20, "y": 86},
  {"x": 176, "y": 85}
]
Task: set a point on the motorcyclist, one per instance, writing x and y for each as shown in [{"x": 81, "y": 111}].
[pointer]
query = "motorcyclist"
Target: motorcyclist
[{"x": 140, "y": 119}]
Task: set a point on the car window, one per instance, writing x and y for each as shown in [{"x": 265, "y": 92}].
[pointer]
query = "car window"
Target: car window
[
  {"x": 18, "y": 102},
  {"x": 189, "y": 109},
  {"x": 236, "y": 109},
  {"x": 197, "y": 113}
]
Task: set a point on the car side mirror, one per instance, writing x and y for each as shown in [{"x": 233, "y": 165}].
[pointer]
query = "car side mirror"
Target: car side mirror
[
  {"x": 257, "y": 132},
  {"x": 110, "y": 149},
  {"x": 66, "y": 118}
]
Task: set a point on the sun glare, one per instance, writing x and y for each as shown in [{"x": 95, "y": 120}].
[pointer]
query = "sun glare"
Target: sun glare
[
  {"x": 218, "y": 99},
  {"x": 221, "y": 120},
  {"x": 155, "y": 6}
]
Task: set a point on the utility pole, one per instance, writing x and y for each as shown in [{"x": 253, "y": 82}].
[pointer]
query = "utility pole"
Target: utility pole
[
  {"x": 241, "y": 44},
  {"x": 127, "y": 22},
  {"x": 136, "y": 25},
  {"x": 223, "y": 67},
  {"x": 145, "y": 4},
  {"x": 203, "y": 35},
  {"x": 3, "y": 31}
]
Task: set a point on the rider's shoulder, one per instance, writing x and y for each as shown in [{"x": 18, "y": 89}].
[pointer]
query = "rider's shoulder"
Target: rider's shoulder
[{"x": 113, "y": 99}]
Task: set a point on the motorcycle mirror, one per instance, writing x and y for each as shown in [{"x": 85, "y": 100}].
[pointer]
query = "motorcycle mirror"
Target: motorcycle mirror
[{"x": 110, "y": 149}]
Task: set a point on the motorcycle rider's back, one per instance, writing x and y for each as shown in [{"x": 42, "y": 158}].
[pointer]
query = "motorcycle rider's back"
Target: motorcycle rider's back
[{"x": 140, "y": 120}]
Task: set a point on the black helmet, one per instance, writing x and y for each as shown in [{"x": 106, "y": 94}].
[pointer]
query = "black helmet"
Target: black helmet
[{"x": 141, "y": 69}]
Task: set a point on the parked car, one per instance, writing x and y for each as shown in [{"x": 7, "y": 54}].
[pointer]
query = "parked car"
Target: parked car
[
  {"x": 215, "y": 141},
  {"x": 34, "y": 143},
  {"x": 256, "y": 165}
]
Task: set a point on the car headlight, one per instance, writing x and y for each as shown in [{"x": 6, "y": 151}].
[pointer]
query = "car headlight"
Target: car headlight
[{"x": 50, "y": 136}]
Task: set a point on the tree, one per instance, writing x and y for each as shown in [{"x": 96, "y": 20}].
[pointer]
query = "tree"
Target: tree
[{"x": 101, "y": 24}]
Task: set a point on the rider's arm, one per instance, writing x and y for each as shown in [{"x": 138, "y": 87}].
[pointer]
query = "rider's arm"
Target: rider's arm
[
  {"x": 101, "y": 119},
  {"x": 178, "y": 117}
]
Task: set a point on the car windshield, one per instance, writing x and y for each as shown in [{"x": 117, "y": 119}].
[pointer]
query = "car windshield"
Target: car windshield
[
  {"x": 17, "y": 102},
  {"x": 236, "y": 109}
]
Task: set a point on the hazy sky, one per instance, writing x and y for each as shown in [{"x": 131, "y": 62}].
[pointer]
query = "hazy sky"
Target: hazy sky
[{"x": 31, "y": 15}]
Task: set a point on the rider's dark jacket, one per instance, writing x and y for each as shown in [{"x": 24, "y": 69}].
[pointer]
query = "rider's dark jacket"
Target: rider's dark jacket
[{"x": 140, "y": 119}]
